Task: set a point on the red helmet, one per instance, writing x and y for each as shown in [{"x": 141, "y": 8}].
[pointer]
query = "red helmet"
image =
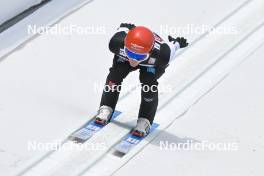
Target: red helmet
[{"x": 140, "y": 40}]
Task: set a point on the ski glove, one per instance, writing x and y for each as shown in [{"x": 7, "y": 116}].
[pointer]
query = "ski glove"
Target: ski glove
[
  {"x": 128, "y": 25},
  {"x": 181, "y": 40}
]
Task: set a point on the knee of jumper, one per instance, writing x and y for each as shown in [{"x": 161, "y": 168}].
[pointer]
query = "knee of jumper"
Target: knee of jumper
[
  {"x": 149, "y": 98},
  {"x": 148, "y": 85},
  {"x": 113, "y": 85},
  {"x": 149, "y": 92},
  {"x": 115, "y": 77},
  {"x": 149, "y": 89}
]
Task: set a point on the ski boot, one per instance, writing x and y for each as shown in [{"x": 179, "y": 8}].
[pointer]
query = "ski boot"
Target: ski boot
[
  {"x": 104, "y": 115},
  {"x": 142, "y": 128}
]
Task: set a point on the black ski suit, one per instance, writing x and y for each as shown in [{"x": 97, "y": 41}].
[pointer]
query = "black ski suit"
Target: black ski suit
[{"x": 150, "y": 71}]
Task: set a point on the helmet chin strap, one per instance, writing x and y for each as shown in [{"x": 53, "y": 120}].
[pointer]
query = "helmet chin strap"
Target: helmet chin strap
[{"x": 133, "y": 62}]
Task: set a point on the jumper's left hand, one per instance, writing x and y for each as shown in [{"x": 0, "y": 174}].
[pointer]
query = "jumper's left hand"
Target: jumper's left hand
[{"x": 181, "y": 40}]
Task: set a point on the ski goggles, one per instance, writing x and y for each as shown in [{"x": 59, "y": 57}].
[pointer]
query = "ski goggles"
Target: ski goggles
[{"x": 136, "y": 56}]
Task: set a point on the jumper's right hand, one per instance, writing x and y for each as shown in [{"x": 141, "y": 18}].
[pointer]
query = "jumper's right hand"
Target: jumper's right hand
[{"x": 128, "y": 25}]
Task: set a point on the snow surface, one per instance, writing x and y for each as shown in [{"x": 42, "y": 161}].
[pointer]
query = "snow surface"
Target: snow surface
[
  {"x": 11, "y": 8},
  {"x": 17, "y": 35},
  {"x": 47, "y": 91}
]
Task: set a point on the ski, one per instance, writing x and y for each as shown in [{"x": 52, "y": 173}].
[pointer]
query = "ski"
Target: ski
[
  {"x": 89, "y": 129},
  {"x": 130, "y": 141}
]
